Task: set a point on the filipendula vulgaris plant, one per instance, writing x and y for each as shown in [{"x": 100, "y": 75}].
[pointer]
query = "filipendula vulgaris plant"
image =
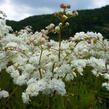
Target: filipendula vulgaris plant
[
  {"x": 53, "y": 80},
  {"x": 44, "y": 66}
]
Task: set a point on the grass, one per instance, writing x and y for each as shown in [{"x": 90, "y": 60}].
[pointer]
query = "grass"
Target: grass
[{"x": 84, "y": 92}]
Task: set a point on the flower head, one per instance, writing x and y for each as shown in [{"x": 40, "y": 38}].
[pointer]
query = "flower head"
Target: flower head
[{"x": 65, "y": 6}]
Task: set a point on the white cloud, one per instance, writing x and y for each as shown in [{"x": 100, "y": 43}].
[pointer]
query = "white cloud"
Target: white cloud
[
  {"x": 100, "y": 3},
  {"x": 12, "y": 11},
  {"x": 20, "y": 9},
  {"x": 15, "y": 12}
]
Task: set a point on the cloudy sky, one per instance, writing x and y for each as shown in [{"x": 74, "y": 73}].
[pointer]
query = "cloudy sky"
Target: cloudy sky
[{"x": 20, "y": 9}]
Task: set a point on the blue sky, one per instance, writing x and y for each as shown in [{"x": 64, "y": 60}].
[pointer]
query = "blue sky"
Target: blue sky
[{"x": 20, "y": 9}]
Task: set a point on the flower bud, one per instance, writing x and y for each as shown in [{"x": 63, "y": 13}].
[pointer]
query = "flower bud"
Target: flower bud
[
  {"x": 68, "y": 6},
  {"x": 52, "y": 25},
  {"x": 57, "y": 29},
  {"x": 69, "y": 13},
  {"x": 65, "y": 6},
  {"x": 45, "y": 36},
  {"x": 42, "y": 39},
  {"x": 58, "y": 13},
  {"x": 60, "y": 24},
  {"x": 61, "y": 12},
  {"x": 89, "y": 41},
  {"x": 67, "y": 24},
  {"x": 75, "y": 13},
  {"x": 49, "y": 44},
  {"x": 48, "y": 27},
  {"x": 44, "y": 32},
  {"x": 62, "y": 6},
  {"x": 64, "y": 17},
  {"x": 35, "y": 42}
]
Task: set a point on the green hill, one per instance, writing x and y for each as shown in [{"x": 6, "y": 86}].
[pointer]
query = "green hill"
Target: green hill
[{"x": 96, "y": 20}]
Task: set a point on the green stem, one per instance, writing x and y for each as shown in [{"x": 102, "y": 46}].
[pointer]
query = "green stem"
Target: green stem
[
  {"x": 53, "y": 70},
  {"x": 40, "y": 62},
  {"x": 40, "y": 56},
  {"x": 59, "y": 55},
  {"x": 40, "y": 73},
  {"x": 64, "y": 76},
  {"x": 50, "y": 102},
  {"x": 11, "y": 95}
]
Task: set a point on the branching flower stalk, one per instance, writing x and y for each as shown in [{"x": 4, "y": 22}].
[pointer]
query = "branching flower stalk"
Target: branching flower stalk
[{"x": 63, "y": 17}]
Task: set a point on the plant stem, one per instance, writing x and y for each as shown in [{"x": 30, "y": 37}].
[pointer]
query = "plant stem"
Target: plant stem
[
  {"x": 59, "y": 55},
  {"x": 40, "y": 62},
  {"x": 11, "y": 95},
  {"x": 40, "y": 56},
  {"x": 50, "y": 102},
  {"x": 53, "y": 70}
]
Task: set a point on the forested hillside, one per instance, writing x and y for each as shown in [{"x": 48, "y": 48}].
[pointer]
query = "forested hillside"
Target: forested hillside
[{"x": 96, "y": 20}]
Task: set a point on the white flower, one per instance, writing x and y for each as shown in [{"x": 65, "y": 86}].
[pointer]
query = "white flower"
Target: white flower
[
  {"x": 29, "y": 68},
  {"x": 3, "y": 94},
  {"x": 21, "y": 80},
  {"x": 11, "y": 44},
  {"x": 46, "y": 86},
  {"x": 10, "y": 69},
  {"x": 59, "y": 86},
  {"x": 15, "y": 74},
  {"x": 25, "y": 97},
  {"x": 106, "y": 84},
  {"x": 96, "y": 63},
  {"x": 34, "y": 60},
  {"x": 57, "y": 29},
  {"x": 28, "y": 60},
  {"x": 106, "y": 76},
  {"x": 21, "y": 60}
]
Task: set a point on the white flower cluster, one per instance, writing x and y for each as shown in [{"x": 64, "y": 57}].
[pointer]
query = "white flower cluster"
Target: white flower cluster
[
  {"x": 3, "y": 94},
  {"x": 32, "y": 60},
  {"x": 106, "y": 84},
  {"x": 46, "y": 86}
]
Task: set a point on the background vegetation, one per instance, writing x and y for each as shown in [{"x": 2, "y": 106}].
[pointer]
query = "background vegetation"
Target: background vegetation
[{"x": 96, "y": 20}]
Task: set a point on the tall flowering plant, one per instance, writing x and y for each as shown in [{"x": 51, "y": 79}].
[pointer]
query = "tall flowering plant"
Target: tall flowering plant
[{"x": 44, "y": 66}]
